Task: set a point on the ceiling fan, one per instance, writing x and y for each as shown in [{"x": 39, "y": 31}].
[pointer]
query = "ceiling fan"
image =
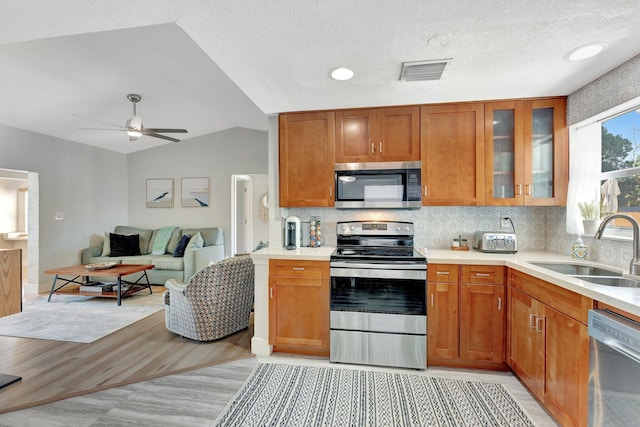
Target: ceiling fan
[{"x": 134, "y": 127}]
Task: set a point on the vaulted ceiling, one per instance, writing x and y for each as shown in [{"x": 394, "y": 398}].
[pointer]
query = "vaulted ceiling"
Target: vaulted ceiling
[{"x": 212, "y": 65}]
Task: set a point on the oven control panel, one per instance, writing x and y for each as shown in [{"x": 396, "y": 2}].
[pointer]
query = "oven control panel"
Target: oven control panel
[{"x": 387, "y": 228}]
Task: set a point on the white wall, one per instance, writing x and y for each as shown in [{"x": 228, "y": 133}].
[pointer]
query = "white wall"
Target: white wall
[
  {"x": 217, "y": 156},
  {"x": 87, "y": 184}
]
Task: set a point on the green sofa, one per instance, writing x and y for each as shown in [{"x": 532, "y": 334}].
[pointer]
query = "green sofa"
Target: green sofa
[{"x": 166, "y": 265}]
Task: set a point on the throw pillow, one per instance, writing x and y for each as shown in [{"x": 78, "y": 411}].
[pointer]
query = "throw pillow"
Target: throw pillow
[
  {"x": 124, "y": 245},
  {"x": 106, "y": 246},
  {"x": 162, "y": 240},
  {"x": 182, "y": 245},
  {"x": 196, "y": 242}
]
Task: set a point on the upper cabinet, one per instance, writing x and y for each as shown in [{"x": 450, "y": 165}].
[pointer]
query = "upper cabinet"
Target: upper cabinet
[
  {"x": 452, "y": 147},
  {"x": 307, "y": 159},
  {"x": 526, "y": 152},
  {"x": 377, "y": 135}
]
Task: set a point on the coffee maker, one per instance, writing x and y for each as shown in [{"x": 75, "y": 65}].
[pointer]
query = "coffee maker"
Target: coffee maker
[{"x": 292, "y": 233}]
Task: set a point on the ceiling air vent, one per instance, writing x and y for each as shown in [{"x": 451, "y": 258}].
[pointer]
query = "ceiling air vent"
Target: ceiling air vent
[{"x": 419, "y": 71}]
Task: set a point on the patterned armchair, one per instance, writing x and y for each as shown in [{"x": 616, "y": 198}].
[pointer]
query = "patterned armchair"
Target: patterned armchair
[{"x": 215, "y": 302}]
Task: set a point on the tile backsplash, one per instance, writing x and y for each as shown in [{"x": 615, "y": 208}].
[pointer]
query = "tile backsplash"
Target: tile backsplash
[{"x": 538, "y": 228}]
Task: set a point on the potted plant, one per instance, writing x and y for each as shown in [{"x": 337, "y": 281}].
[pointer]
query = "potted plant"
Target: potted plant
[{"x": 591, "y": 213}]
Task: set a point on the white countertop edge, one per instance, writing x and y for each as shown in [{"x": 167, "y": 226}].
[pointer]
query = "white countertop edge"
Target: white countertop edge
[{"x": 627, "y": 299}]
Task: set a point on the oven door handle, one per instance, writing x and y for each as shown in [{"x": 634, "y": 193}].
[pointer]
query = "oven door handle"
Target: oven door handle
[
  {"x": 381, "y": 274},
  {"x": 374, "y": 266}
]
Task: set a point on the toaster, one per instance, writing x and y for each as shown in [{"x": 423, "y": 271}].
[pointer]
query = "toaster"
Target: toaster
[{"x": 495, "y": 241}]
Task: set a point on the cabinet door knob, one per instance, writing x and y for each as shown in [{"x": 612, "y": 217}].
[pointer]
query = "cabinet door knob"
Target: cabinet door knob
[
  {"x": 527, "y": 189},
  {"x": 381, "y": 147},
  {"x": 298, "y": 268},
  {"x": 271, "y": 293},
  {"x": 483, "y": 275},
  {"x": 425, "y": 191},
  {"x": 445, "y": 273},
  {"x": 538, "y": 328},
  {"x": 431, "y": 300},
  {"x": 373, "y": 148},
  {"x": 519, "y": 189},
  {"x": 499, "y": 303}
]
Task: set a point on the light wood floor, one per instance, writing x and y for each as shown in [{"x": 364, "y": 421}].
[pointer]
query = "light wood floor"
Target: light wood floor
[{"x": 54, "y": 370}]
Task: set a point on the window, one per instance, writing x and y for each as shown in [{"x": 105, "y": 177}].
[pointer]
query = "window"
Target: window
[{"x": 620, "y": 165}]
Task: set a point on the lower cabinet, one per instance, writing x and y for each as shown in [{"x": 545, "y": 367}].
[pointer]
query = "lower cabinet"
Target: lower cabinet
[
  {"x": 466, "y": 316},
  {"x": 549, "y": 345},
  {"x": 299, "y": 306}
]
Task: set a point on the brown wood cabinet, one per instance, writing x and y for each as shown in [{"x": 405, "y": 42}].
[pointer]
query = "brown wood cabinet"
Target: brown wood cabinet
[
  {"x": 378, "y": 134},
  {"x": 526, "y": 152},
  {"x": 307, "y": 159},
  {"x": 466, "y": 316},
  {"x": 442, "y": 312},
  {"x": 299, "y": 306},
  {"x": 548, "y": 345},
  {"x": 452, "y": 149},
  {"x": 10, "y": 281}
]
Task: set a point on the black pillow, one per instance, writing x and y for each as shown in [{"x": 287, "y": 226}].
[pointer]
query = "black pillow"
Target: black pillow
[
  {"x": 182, "y": 245},
  {"x": 122, "y": 245}
]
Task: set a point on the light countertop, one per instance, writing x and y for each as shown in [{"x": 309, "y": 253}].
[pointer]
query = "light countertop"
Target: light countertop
[{"x": 627, "y": 299}]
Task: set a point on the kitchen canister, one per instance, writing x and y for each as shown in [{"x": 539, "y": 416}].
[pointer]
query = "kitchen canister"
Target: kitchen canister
[{"x": 315, "y": 232}]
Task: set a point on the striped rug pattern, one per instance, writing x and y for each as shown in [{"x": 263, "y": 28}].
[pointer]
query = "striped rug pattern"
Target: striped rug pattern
[{"x": 293, "y": 395}]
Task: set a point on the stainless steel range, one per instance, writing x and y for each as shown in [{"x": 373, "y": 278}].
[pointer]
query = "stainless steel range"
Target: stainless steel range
[{"x": 378, "y": 296}]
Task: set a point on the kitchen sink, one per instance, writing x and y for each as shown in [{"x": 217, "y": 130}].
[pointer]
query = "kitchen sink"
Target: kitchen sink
[
  {"x": 622, "y": 282},
  {"x": 578, "y": 269}
]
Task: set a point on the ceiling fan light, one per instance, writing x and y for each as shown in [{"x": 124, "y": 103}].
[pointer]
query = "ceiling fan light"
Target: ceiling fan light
[
  {"x": 134, "y": 132},
  {"x": 134, "y": 126}
]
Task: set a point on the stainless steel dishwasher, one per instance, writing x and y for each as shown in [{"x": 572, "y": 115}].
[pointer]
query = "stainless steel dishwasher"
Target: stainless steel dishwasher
[{"x": 614, "y": 370}]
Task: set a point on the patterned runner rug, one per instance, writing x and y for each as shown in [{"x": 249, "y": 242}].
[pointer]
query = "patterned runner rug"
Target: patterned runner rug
[{"x": 294, "y": 395}]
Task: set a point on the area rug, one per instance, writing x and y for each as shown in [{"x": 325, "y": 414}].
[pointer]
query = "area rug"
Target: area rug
[
  {"x": 295, "y": 395},
  {"x": 78, "y": 318}
]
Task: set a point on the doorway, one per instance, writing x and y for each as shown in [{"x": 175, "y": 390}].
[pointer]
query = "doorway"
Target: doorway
[
  {"x": 19, "y": 220},
  {"x": 249, "y": 215}
]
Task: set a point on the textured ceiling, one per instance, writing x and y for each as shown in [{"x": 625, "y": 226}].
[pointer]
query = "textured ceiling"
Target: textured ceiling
[{"x": 207, "y": 66}]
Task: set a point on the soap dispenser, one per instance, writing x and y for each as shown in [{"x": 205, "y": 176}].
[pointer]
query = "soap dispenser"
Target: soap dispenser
[{"x": 579, "y": 250}]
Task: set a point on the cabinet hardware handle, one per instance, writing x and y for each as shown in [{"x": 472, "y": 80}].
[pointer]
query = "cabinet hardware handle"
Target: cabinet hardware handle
[
  {"x": 538, "y": 329},
  {"x": 532, "y": 321},
  {"x": 431, "y": 300},
  {"x": 271, "y": 293},
  {"x": 527, "y": 189},
  {"x": 298, "y": 268},
  {"x": 519, "y": 189},
  {"x": 446, "y": 273},
  {"x": 499, "y": 303},
  {"x": 373, "y": 148},
  {"x": 330, "y": 191},
  {"x": 483, "y": 275},
  {"x": 425, "y": 191},
  {"x": 381, "y": 147}
]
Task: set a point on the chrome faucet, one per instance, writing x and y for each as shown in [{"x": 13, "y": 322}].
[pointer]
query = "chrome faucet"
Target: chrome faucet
[{"x": 634, "y": 267}]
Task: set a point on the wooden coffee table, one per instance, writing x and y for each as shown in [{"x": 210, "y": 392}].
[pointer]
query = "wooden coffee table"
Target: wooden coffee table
[{"x": 118, "y": 271}]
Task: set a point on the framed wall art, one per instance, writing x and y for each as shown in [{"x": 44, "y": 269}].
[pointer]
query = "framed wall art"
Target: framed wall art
[
  {"x": 160, "y": 193},
  {"x": 195, "y": 192}
]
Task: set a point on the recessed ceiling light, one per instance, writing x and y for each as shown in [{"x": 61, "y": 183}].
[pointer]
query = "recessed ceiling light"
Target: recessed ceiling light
[
  {"x": 584, "y": 52},
  {"x": 342, "y": 73}
]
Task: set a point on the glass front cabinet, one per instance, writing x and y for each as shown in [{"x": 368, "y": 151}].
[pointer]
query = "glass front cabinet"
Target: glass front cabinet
[{"x": 526, "y": 153}]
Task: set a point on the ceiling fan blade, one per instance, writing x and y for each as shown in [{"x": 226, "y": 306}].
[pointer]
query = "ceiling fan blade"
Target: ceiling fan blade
[
  {"x": 95, "y": 120},
  {"x": 160, "y": 130},
  {"x": 168, "y": 138},
  {"x": 119, "y": 130}
]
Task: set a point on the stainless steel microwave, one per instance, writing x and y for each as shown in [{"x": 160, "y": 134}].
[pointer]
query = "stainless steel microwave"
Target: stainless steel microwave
[{"x": 381, "y": 185}]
